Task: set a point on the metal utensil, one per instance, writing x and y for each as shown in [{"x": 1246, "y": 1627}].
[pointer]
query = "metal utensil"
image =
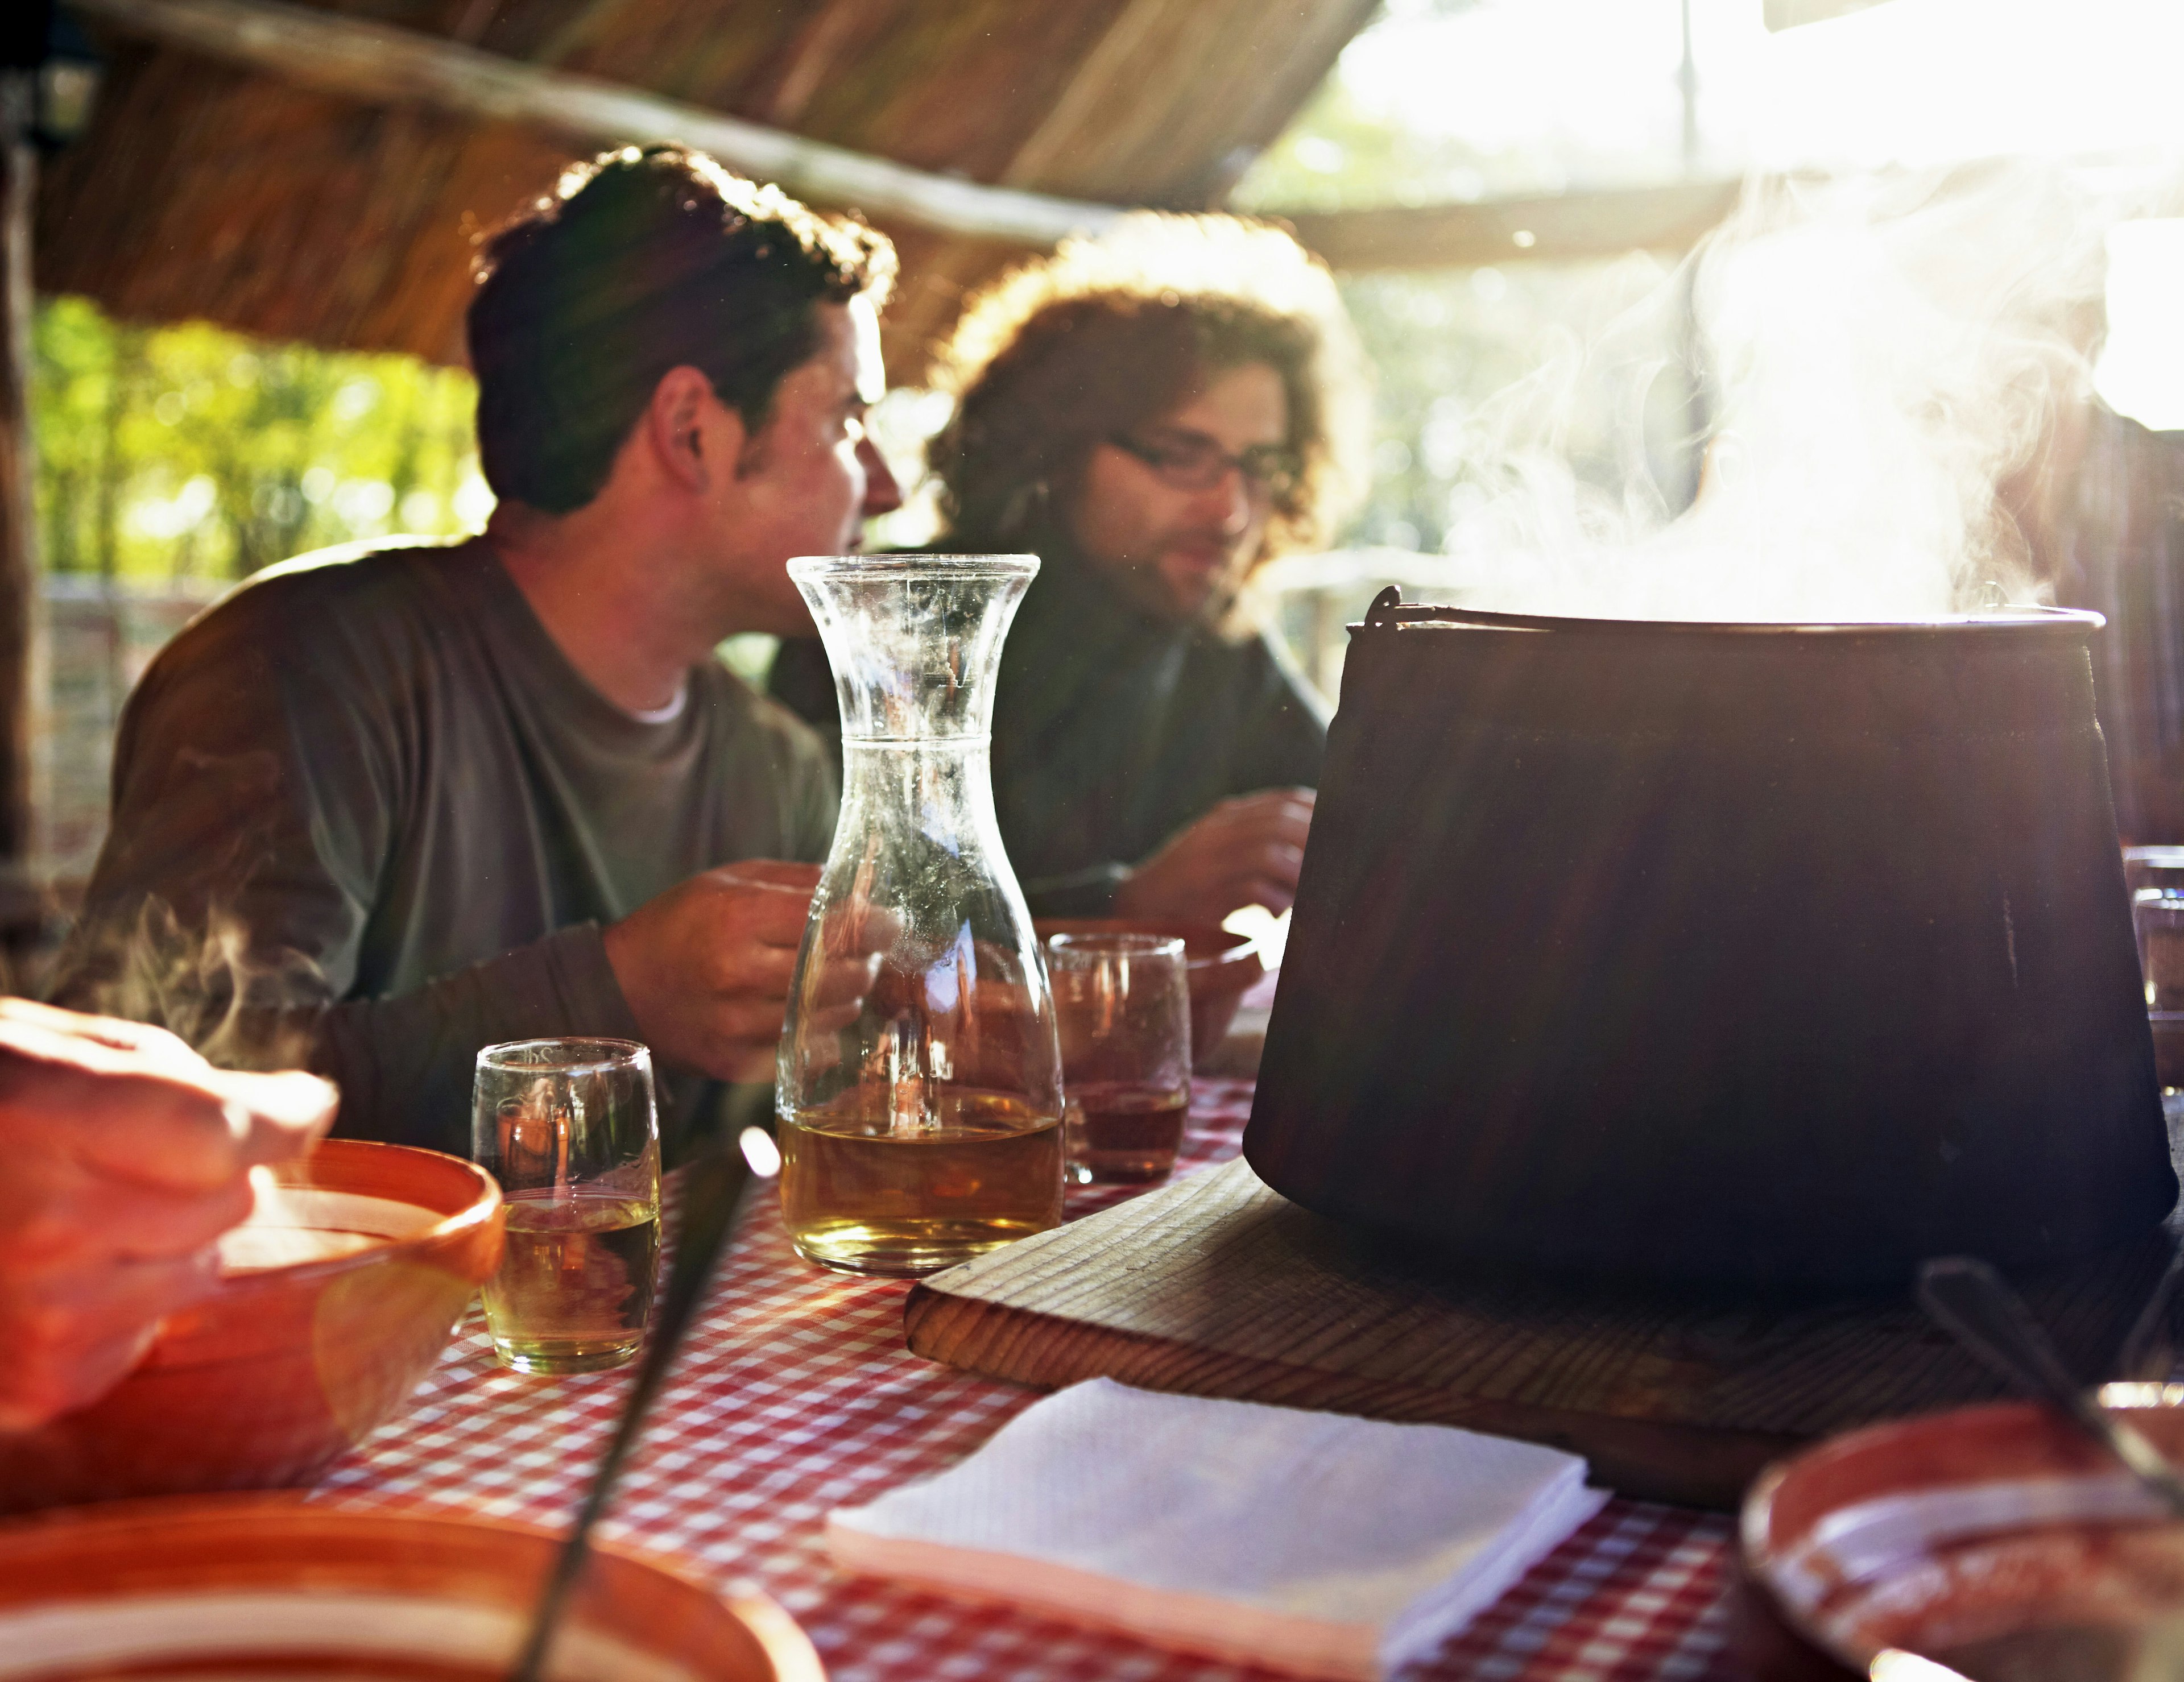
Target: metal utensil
[
  {"x": 712, "y": 1191},
  {"x": 1975, "y": 1305}
]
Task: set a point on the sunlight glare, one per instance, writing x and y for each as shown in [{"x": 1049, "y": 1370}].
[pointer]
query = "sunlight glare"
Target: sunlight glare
[
  {"x": 1908, "y": 82},
  {"x": 1935, "y": 81},
  {"x": 2141, "y": 368}
]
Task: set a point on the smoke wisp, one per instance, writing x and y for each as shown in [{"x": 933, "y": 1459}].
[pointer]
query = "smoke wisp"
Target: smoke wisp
[{"x": 234, "y": 1005}]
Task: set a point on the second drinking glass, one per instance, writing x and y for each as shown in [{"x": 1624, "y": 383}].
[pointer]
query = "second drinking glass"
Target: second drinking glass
[{"x": 1123, "y": 1004}]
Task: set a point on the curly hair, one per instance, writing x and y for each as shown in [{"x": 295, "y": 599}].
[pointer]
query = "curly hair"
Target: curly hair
[
  {"x": 1110, "y": 332},
  {"x": 642, "y": 260}
]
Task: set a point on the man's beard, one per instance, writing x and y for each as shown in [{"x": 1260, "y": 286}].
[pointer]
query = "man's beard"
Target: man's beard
[{"x": 1148, "y": 588}]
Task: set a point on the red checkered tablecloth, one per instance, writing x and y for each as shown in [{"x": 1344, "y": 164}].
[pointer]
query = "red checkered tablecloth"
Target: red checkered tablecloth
[{"x": 795, "y": 1396}]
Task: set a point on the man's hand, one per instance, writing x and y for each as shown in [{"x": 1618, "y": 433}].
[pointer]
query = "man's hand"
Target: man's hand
[
  {"x": 1244, "y": 852},
  {"x": 123, "y": 1157},
  {"x": 705, "y": 967}
]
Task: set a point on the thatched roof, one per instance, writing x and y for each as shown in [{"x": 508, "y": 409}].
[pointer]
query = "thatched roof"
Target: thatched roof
[{"x": 207, "y": 192}]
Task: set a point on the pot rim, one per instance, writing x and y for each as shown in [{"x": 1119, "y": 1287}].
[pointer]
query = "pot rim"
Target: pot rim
[{"x": 1396, "y": 616}]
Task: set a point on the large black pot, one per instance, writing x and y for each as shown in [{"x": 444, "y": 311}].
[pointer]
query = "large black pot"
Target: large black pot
[{"x": 1719, "y": 952}]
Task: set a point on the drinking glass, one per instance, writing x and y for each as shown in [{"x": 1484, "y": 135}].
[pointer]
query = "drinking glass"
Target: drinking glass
[
  {"x": 570, "y": 1129},
  {"x": 1123, "y": 1004},
  {"x": 2153, "y": 867}
]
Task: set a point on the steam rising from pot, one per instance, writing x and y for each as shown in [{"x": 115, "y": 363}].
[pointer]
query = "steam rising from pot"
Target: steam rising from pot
[{"x": 1890, "y": 360}]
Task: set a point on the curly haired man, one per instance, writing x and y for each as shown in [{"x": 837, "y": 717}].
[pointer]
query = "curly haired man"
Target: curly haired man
[{"x": 1155, "y": 414}]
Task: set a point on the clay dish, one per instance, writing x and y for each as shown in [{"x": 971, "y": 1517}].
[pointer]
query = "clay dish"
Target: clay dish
[
  {"x": 265, "y": 1585},
  {"x": 1996, "y": 1542},
  {"x": 343, "y": 1291}
]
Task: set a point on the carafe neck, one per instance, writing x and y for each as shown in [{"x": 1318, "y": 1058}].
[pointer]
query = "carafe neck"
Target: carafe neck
[{"x": 915, "y": 641}]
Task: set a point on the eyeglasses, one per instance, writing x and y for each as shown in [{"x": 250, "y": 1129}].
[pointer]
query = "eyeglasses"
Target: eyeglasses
[{"x": 1195, "y": 463}]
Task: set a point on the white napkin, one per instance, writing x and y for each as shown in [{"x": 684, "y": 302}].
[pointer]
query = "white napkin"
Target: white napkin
[{"x": 1311, "y": 1543}]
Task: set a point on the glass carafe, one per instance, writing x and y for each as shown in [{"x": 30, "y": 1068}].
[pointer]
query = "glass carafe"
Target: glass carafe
[{"x": 919, "y": 1088}]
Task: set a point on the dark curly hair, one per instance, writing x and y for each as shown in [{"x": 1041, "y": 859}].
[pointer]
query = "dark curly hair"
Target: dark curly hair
[
  {"x": 1109, "y": 333},
  {"x": 642, "y": 261}
]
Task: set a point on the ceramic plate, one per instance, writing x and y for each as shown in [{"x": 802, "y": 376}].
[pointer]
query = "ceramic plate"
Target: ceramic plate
[
  {"x": 267, "y": 1586},
  {"x": 1993, "y": 1543}
]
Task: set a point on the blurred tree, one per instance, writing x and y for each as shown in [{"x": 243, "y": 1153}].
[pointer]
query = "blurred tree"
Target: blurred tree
[
  {"x": 1340, "y": 155},
  {"x": 188, "y": 451},
  {"x": 1476, "y": 367}
]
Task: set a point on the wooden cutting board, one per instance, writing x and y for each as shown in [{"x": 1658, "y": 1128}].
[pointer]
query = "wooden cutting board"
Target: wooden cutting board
[{"x": 1218, "y": 1286}]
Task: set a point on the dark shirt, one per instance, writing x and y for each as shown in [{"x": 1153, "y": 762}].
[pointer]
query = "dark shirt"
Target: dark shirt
[
  {"x": 379, "y": 773},
  {"x": 1112, "y": 731}
]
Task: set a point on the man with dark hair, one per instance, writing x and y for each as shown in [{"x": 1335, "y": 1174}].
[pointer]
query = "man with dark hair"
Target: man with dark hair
[
  {"x": 388, "y": 805},
  {"x": 1155, "y": 414}
]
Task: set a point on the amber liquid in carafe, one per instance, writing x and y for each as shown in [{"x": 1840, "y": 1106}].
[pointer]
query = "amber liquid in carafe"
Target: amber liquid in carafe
[{"x": 864, "y": 1190}]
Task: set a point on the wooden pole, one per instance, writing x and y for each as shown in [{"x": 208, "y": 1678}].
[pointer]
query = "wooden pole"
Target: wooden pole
[{"x": 19, "y": 524}]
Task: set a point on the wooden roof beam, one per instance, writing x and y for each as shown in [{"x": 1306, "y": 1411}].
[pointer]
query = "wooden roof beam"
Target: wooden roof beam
[
  {"x": 343, "y": 56},
  {"x": 1574, "y": 224},
  {"x": 376, "y": 65}
]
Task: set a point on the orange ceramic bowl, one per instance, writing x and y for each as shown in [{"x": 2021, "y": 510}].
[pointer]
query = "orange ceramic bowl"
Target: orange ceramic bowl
[
  {"x": 288, "y": 1364},
  {"x": 226, "y": 1585},
  {"x": 1990, "y": 1541},
  {"x": 1221, "y": 967}
]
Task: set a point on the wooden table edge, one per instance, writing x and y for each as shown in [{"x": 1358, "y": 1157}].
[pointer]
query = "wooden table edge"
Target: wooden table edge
[{"x": 1647, "y": 1460}]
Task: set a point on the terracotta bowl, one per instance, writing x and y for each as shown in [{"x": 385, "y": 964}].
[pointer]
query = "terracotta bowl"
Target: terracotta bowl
[
  {"x": 1995, "y": 1542},
  {"x": 292, "y": 1361},
  {"x": 1222, "y": 967},
  {"x": 224, "y": 1585}
]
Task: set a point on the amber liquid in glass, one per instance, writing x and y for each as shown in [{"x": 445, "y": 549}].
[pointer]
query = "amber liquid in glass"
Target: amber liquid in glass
[
  {"x": 1121, "y": 1133},
  {"x": 862, "y": 1193},
  {"x": 575, "y": 1281}
]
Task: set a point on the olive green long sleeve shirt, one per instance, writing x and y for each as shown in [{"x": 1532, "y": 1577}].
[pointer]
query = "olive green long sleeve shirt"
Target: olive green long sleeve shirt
[{"x": 366, "y": 802}]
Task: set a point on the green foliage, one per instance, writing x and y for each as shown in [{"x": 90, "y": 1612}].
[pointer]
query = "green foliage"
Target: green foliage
[
  {"x": 188, "y": 451},
  {"x": 1341, "y": 155}
]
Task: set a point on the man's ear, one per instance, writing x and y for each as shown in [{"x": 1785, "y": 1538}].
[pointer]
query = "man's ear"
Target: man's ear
[{"x": 694, "y": 436}]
